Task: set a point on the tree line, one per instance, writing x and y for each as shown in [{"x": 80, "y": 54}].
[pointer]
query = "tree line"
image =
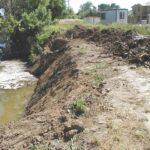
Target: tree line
[
  {"x": 24, "y": 20},
  {"x": 89, "y": 9}
]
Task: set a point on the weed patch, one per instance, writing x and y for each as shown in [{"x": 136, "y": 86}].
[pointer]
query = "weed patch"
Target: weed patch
[
  {"x": 145, "y": 30},
  {"x": 79, "y": 106}
]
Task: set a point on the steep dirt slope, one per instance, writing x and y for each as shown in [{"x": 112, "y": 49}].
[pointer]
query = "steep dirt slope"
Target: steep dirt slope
[{"x": 72, "y": 71}]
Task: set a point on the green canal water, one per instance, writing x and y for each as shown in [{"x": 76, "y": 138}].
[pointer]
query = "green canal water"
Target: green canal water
[
  {"x": 13, "y": 102},
  {"x": 16, "y": 89}
]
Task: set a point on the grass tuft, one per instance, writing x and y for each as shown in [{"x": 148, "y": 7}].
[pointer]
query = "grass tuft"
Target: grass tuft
[{"x": 79, "y": 106}]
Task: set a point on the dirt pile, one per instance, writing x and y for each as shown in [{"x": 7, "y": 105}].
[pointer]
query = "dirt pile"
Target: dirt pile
[
  {"x": 135, "y": 51},
  {"x": 105, "y": 36},
  {"x": 118, "y": 42}
]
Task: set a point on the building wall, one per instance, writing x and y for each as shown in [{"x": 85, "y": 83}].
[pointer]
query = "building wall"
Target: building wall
[
  {"x": 110, "y": 16},
  {"x": 137, "y": 12},
  {"x": 141, "y": 13},
  {"x": 125, "y": 19},
  {"x": 92, "y": 19},
  {"x": 113, "y": 16}
]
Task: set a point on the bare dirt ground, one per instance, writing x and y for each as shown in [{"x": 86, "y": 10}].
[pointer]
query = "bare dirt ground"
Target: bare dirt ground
[{"x": 116, "y": 95}]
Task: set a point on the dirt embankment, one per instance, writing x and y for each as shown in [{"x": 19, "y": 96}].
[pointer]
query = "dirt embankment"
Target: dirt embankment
[{"x": 71, "y": 107}]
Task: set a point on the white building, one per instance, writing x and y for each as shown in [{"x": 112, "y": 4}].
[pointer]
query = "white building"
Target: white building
[
  {"x": 92, "y": 19},
  {"x": 114, "y": 16}
]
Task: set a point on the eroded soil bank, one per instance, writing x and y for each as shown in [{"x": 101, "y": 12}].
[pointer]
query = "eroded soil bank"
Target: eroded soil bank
[{"x": 115, "y": 96}]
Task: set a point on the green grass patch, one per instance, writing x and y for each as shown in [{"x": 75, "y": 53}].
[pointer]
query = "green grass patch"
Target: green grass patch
[
  {"x": 52, "y": 30},
  {"x": 141, "y": 29},
  {"x": 60, "y": 27},
  {"x": 80, "y": 106}
]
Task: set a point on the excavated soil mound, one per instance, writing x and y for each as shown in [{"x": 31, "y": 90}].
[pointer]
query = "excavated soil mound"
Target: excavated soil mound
[{"x": 119, "y": 43}]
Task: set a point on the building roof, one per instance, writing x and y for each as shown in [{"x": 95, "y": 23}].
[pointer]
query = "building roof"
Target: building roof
[
  {"x": 115, "y": 9},
  {"x": 92, "y": 17},
  {"x": 146, "y": 4}
]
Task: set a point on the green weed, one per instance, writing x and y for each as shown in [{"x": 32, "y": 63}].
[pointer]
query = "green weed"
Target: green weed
[{"x": 80, "y": 106}]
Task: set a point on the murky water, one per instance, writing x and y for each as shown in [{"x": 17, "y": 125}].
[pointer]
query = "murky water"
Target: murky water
[{"x": 16, "y": 88}]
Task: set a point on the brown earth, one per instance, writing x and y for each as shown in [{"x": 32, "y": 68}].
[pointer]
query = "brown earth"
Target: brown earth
[
  {"x": 120, "y": 43},
  {"x": 69, "y": 70}
]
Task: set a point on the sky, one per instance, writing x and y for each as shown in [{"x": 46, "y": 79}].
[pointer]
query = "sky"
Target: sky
[{"x": 75, "y": 4}]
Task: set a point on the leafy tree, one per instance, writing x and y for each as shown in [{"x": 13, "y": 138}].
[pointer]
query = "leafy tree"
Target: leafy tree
[
  {"x": 108, "y": 6},
  {"x": 57, "y": 8},
  {"x": 103, "y": 7},
  {"x": 35, "y": 20},
  {"x": 27, "y": 25},
  {"x": 69, "y": 13},
  {"x": 17, "y": 7},
  {"x": 114, "y": 6},
  {"x": 87, "y": 9},
  {"x": 25, "y": 19}
]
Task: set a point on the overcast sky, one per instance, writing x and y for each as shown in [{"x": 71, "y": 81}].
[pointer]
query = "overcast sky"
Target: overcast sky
[{"x": 75, "y": 4}]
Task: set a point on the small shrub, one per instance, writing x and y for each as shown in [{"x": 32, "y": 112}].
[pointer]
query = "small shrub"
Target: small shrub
[{"x": 79, "y": 106}]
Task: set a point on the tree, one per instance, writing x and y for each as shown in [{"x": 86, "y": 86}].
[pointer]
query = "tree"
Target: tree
[
  {"x": 103, "y": 7},
  {"x": 30, "y": 23},
  {"x": 57, "y": 8},
  {"x": 114, "y": 6},
  {"x": 108, "y": 6},
  {"x": 87, "y": 9},
  {"x": 69, "y": 13},
  {"x": 25, "y": 19},
  {"x": 33, "y": 21}
]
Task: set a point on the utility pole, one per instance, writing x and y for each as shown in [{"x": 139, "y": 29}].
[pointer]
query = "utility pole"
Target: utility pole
[{"x": 68, "y": 3}]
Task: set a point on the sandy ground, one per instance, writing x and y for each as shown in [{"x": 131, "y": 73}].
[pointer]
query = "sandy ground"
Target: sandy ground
[{"x": 117, "y": 115}]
